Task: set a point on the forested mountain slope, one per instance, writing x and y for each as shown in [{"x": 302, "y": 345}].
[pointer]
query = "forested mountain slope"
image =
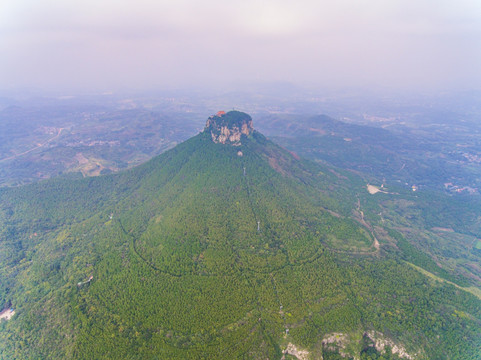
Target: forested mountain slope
[{"x": 225, "y": 247}]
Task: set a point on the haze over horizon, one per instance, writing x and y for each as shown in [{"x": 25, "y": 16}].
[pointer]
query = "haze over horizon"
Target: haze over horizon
[{"x": 118, "y": 45}]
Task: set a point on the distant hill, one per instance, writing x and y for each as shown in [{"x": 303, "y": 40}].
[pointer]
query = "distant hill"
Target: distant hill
[
  {"x": 434, "y": 158},
  {"x": 224, "y": 247},
  {"x": 43, "y": 142}
]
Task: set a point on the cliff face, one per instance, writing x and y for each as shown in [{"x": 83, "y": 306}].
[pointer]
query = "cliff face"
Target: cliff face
[{"x": 228, "y": 128}]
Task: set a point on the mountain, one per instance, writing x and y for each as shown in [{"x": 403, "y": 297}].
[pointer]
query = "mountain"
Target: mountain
[{"x": 224, "y": 247}]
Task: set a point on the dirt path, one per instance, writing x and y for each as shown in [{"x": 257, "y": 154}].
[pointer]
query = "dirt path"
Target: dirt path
[
  {"x": 35, "y": 148},
  {"x": 367, "y": 226}
]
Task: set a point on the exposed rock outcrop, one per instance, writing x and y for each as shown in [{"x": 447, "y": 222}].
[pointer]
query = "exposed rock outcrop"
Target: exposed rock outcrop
[
  {"x": 340, "y": 342},
  {"x": 228, "y": 128},
  {"x": 293, "y": 350},
  {"x": 381, "y": 342}
]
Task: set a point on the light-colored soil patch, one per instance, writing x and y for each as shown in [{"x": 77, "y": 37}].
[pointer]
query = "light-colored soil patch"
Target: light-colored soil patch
[
  {"x": 7, "y": 314},
  {"x": 372, "y": 189},
  {"x": 442, "y": 229},
  {"x": 82, "y": 160},
  {"x": 376, "y": 189}
]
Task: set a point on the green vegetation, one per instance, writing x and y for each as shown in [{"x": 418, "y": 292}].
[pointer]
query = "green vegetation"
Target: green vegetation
[{"x": 181, "y": 270}]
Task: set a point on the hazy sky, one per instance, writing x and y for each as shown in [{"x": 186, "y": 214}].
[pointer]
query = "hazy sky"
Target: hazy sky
[{"x": 111, "y": 44}]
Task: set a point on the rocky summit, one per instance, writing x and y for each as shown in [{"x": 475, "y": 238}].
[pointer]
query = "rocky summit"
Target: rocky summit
[{"x": 228, "y": 128}]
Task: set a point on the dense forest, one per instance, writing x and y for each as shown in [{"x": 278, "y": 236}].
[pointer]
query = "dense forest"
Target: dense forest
[{"x": 213, "y": 251}]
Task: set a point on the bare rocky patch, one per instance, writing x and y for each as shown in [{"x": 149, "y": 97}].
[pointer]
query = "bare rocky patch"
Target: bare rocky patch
[
  {"x": 336, "y": 342},
  {"x": 295, "y": 351},
  {"x": 7, "y": 314},
  {"x": 340, "y": 342},
  {"x": 381, "y": 342}
]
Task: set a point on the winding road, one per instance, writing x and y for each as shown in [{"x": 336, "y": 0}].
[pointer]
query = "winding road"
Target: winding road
[{"x": 35, "y": 148}]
